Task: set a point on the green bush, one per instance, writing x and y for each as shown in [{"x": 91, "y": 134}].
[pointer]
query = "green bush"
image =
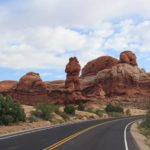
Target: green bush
[
  {"x": 115, "y": 114},
  {"x": 99, "y": 112},
  {"x": 114, "y": 108},
  {"x": 128, "y": 112},
  {"x": 81, "y": 106},
  {"x": 146, "y": 122},
  {"x": 90, "y": 110},
  {"x": 32, "y": 118},
  {"x": 62, "y": 114},
  {"x": 44, "y": 110},
  {"x": 69, "y": 109},
  {"x": 10, "y": 111}
]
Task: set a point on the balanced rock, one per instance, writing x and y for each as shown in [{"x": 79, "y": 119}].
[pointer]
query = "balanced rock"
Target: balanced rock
[
  {"x": 128, "y": 57},
  {"x": 72, "y": 70}
]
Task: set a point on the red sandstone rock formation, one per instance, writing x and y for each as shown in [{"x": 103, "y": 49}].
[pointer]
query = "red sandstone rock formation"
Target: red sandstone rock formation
[
  {"x": 128, "y": 57},
  {"x": 72, "y": 69},
  {"x": 8, "y": 85},
  {"x": 31, "y": 82},
  {"x": 96, "y": 65},
  {"x": 103, "y": 77},
  {"x": 30, "y": 89},
  {"x": 123, "y": 79}
]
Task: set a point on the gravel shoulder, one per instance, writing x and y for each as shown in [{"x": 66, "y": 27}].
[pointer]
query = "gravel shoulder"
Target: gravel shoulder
[{"x": 139, "y": 138}]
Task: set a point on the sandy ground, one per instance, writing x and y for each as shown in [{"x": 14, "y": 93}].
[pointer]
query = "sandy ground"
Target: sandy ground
[
  {"x": 4, "y": 130},
  {"x": 139, "y": 138},
  {"x": 80, "y": 115}
]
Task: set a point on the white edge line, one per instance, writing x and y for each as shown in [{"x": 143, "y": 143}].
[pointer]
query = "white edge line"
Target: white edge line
[
  {"x": 41, "y": 129},
  {"x": 46, "y": 128},
  {"x": 125, "y": 135}
]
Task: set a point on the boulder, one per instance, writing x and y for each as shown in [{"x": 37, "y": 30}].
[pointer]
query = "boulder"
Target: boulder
[
  {"x": 30, "y": 89},
  {"x": 31, "y": 82},
  {"x": 128, "y": 57},
  {"x": 96, "y": 65}
]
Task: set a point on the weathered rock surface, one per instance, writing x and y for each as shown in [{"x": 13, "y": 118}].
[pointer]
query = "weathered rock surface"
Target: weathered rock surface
[
  {"x": 65, "y": 96},
  {"x": 96, "y": 65},
  {"x": 71, "y": 93},
  {"x": 8, "y": 85},
  {"x": 31, "y": 82},
  {"x": 72, "y": 70},
  {"x": 128, "y": 57},
  {"x": 55, "y": 85},
  {"x": 30, "y": 89},
  {"x": 124, "y": 82},
  {"x": 103, "y": 78},
  {"x": 124, "y": 79}
]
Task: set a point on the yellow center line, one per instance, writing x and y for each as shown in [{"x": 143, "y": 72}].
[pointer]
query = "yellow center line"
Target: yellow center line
[{"x": 61, "y": 142}]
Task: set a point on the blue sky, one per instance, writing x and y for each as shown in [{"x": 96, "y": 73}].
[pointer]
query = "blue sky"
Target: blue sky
[{"x": 41, "y": 35}]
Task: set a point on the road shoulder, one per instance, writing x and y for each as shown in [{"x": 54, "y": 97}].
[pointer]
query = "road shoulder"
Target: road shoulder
[{"x": 139, "y": 138}]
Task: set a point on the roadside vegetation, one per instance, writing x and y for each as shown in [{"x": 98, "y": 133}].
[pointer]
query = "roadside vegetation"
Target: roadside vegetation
[
  {"x": 144, "y": 127},
  {"x": 10, "y": 111},
  {"x": 46, "y": 111},
  {"x": 69, "y": 109},
  {"x": 114, "y": 110}
]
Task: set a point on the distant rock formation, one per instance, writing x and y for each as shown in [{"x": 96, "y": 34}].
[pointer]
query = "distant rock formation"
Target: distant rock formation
[
  {"x": 71, "y": 92},
  {"x": 7, "y": 86},
  {"x": 72, "y": 70},
  {"x": 124, "y": 79},
  {"x": 128, "y": 57},
  {"x": 96, "y": 65},
  {"x": 103, "y": 78},
  {"x": 30, "y": 89},
  {"x": 31, "y": 82}
]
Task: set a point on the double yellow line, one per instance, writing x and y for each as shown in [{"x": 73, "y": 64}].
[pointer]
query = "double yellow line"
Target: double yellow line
[{"x": 61, "y": 142}]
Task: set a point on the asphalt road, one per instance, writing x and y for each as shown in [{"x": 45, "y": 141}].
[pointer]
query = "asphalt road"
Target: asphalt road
[{"x": 104, "y": 134}]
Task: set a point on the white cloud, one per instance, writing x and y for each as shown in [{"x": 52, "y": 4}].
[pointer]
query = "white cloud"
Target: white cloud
[
  {"x": 45, "y": 47},
  {"x": 41, "y": 33},
  {"x": 130, "y": 36},
  {"x": 71, "y": 12}
]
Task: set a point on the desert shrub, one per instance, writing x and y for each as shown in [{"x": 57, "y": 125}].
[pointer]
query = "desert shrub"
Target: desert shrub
[
  {"x": 128, "y": 112},
  {"x": 32, "y": 118},
  {"x": 81, "y": 106},
  {"x": 10, "y": 111},
  {"x": 114, "y": 108},
  {"x": 146, "y": 122},
  {"x": 62, "y": 114},
  {"x": 144, "y": 126},
  {"x": 69, "y": 109},
  {"x": 99, "y": 112},
  {"x": 90, "y": 110},
  {"x": 44, "y": 110},
  {"x": 115, "y": 114}
]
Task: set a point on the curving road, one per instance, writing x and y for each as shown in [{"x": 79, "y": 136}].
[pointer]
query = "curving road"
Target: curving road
[{"x": 103, "y": 134}]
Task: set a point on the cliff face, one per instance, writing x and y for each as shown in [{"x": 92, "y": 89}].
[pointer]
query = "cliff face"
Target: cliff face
[
  {"x": 104, "y": 77},
  {"x": 124, "y": 78}
]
